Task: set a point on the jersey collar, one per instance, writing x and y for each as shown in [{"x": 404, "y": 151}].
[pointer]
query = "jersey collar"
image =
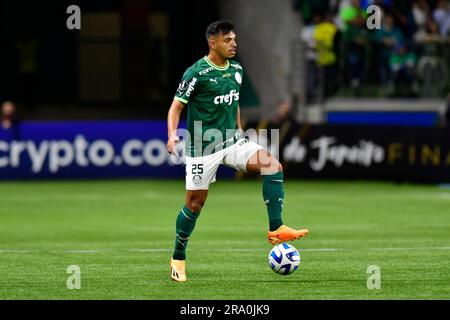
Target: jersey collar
[{"x": 216, "y": 66}]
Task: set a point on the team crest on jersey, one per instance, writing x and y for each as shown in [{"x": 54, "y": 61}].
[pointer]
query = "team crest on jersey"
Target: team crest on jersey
[
  {"x": 182, "y": 87},
  {"x": 236, "y": 66},
  {"x": 197, "y": 179},
  {"x": 238, "y": 77}
]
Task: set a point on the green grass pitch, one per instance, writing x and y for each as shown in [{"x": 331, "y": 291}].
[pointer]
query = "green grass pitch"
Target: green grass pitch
[{"x": 121, "y": 234}]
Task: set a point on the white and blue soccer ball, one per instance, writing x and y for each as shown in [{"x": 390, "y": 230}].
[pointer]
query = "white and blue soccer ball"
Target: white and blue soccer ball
[{"x": 284, "y": 259}]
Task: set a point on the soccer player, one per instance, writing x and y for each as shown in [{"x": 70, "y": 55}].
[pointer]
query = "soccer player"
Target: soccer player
[{"x": 210, "y": 90}]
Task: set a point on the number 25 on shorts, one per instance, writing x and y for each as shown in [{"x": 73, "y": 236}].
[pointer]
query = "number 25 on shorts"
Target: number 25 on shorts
[{"x": 197, "y": 168}]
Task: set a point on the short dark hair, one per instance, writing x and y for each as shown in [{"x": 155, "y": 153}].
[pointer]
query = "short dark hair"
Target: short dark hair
[{"x": 219, "y": 27}]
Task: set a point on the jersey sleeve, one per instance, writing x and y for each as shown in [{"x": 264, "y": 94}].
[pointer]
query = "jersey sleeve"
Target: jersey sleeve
[{"x": 187, "y": 87}]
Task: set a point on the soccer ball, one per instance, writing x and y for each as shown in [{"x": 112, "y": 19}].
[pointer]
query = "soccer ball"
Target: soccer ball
[{"x": 284, "y": 259}]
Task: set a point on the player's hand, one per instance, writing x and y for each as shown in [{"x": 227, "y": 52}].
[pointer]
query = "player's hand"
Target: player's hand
[{"x": 172, "y": 141}]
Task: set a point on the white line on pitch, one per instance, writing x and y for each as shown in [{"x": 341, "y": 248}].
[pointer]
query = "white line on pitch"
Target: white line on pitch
[
  {"x": 227, "y": 250},
  {"x": 411, "y": 248},
  {"x": 150, "y": 250},
  {"x": 85, "y": 251},
  {"x": 224, "y": 250}
]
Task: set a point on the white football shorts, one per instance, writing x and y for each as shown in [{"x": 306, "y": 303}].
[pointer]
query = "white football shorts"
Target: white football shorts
[{"x": 201, "y": 171}]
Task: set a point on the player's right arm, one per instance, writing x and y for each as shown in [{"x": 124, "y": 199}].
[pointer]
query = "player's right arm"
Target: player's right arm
[
  {"x": 186, "y": 90},
  {"x": 173, "y": 118}
]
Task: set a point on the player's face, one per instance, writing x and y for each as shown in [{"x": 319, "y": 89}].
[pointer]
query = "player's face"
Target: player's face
[{"x": 225, "y": 44}]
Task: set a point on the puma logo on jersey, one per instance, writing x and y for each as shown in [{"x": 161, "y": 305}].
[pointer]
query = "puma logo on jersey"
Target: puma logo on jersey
[
  {"x": 227, "y": 98},
  {"x": 213, "y": 80}
]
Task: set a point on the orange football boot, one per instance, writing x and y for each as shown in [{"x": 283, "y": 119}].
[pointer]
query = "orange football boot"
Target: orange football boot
[{"x": 284, "y": 233}]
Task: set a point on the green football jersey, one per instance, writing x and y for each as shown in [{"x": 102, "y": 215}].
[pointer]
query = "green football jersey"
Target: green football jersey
[{"x": 211, "y": 94}]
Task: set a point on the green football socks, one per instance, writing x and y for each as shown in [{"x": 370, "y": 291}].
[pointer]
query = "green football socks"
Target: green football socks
[
  {"x": 185, "y": 225},
  {"x": 273, "y": 195}
]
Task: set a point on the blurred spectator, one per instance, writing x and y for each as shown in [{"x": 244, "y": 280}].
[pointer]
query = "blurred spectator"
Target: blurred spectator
[
  {"x": 389, "y": 37},
  {"x": 354, "y": 36},
  {"x": 431, "y": 69},
  {"x": 430, "y": 34},
  {"x": 324, "y": 36},
  {"x": 421, "y": 12},
  {"x": 307, "y": 36},
  {"x": 402, "y": 64},
  {"x": 404, "y": 18},
  {"x": 309, "y": 8},
  {"x": 412, "y": 47},
  {"x": 8, "y": 116},
  {"x": 442, "y": 16}
]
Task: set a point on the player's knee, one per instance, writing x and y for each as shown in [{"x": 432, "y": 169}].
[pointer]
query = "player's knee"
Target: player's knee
[
  {"x": 274, "y": 167},
  {"x": 195, "y": 204},
  {"x": 195, "y": 207},
  {"x": 279, "y": 167}
]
